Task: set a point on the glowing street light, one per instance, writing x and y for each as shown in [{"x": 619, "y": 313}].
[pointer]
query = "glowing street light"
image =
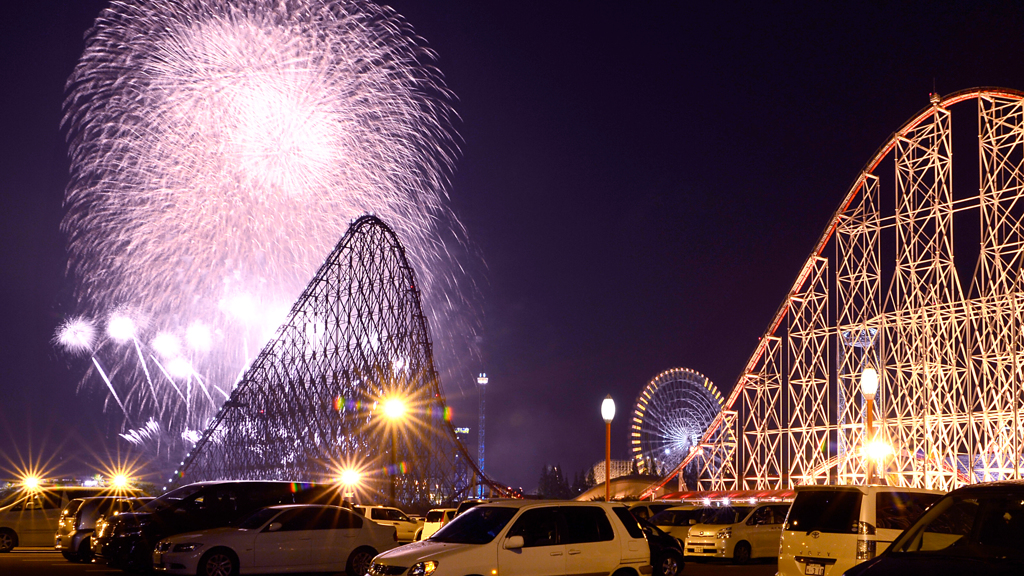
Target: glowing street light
[
  {"x": 608, "y": 413},
  {"x": 31, "y": 483},
  {"x": 394, "y": 411},
  {"x": 869, "y": 387},
  {"x": 120, "y": 482}
]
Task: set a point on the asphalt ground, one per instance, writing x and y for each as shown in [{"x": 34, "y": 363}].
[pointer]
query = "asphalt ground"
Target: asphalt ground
[{"x": 46, "y": 562}]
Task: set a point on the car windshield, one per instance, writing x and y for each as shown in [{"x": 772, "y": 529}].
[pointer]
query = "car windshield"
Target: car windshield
[
  {"x": 258, "y": 518},
  {"x": 479, "y": 525},
  {"x": 829, "y": 511},
  {"x": 726, "y": 515},
  {"x": 676, "y": 517},
  {"x": 171, "y": 499},
  {"x": 989, "y": 526}
]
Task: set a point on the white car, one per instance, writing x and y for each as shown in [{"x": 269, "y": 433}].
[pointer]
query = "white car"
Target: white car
[
  {"x": 737, "y": 532},
  {"x": 677, "y": 520},
  {"x": 436, "y": 518},
  {"x": 405, "y": 527},
  {"x": 831, "y": 529},
  {"x": 288, "y": 538},
  {"x": 31, "y": 517},
  {"x": 519, "y": 538}
]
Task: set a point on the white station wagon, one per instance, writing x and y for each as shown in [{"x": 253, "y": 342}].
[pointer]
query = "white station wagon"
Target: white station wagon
[
  {"x": 288, "y": 538},
  {"x": 532, "y": 538}
]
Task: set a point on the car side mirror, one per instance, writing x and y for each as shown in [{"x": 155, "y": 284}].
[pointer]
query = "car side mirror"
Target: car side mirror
[
  {"x": 274, "y": 526},
  {"x": 514, "y": 542}
]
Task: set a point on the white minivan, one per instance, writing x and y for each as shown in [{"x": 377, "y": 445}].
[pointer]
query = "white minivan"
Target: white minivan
[
  {"x": 830, "y": 529},
  {"x": 739, "y": 532},
  {"x": 30, "y": 517},
  {"x": 527, "y": 537}
]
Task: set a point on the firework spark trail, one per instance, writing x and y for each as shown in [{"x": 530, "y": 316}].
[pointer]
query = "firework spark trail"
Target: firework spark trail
[{"x": 221, "y": 147}]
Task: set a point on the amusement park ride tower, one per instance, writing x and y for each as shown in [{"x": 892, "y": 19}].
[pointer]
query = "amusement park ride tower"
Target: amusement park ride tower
[{"x": 481, "y": 380}]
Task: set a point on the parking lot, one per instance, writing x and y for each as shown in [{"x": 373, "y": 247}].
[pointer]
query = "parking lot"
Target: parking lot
[{"x": 44, "y": 562}]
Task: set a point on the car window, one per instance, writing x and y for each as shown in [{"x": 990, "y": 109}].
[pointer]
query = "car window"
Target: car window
[
  {"x": 585, "y": 524},
  {"x": 988, "y": 526},
  {"x": 258, "y": 518},
  {"x": 629, "y": 521},
  {"x": 676, "y": 517},
  {"x": 48, "y": 500},
  {"x": 760, "y": 517},
  {"x": 475, "y": 526},
  {"x": 725, "y": 515},
  {"x": 779, "y": 513},
  {"x": 898, "y": 510},
  {"x": 538, "y": 527},
  {"x": 303, "y": 519},
  {"x": 341, "y": 518},
  {"x": 829, "y": 511},
  {"x": 72, "y": 508},
  {"x": 394, "y": 515},
  {"x": 641, "y": 512},
  {"x": 434, "y": 515}
]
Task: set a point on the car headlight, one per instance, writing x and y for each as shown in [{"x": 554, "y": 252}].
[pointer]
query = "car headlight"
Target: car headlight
[
  {"x": 187, "y": 547},
  {"x": 423, "y": 568},
  {"x": 724, "y": 533}
]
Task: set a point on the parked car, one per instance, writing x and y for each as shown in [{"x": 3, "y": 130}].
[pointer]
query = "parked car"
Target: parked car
[
  {"x": 127, "y": 540},
  {"x": 520, "y": 537},
  {"x": 738, "y": 532},
  {"x": 78, "y": 522},
  {"x": 977, "y": 529},
  {"x": 830, "y": 529},
  {"x": 666, "y": 549},
  {"x": 677, "y": 520},
  {"x": 30, "y": 517},
  {"x": 645, "y": 510},
  {"x": 435, "y": 519},
  {"x": 388, "y": 516},
  {"x": 278, "y": 539}
]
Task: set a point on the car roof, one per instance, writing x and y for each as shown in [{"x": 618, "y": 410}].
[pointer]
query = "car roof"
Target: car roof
[
  {"x": 518, "y": 503},
  {"x": 998, "y": 487}
]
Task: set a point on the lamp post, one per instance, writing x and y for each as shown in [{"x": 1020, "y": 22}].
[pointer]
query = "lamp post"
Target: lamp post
[
  {"x": 607, "y": 413},
  {"x": 869, "y": 387},
  {"x": 394, "y": 410}
]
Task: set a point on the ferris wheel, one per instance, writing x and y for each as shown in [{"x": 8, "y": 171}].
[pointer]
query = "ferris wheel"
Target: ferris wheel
[{"x": 672, "y": 413}]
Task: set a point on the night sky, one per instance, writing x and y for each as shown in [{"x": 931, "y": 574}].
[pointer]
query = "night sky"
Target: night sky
[{"x": 643, "y": 180}]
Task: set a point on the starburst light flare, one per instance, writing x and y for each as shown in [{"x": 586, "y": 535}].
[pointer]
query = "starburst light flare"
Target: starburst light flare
[{"x": 219, "y": 149}]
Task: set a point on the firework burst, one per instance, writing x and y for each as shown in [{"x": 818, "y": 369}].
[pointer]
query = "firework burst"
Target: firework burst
[{"x": 219, "y": 149}]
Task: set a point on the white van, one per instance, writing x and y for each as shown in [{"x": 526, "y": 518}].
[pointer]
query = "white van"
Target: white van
[
  {"x": 830, "y": 529},
  {"x": 739, "y": 532},
  {"x": 30, "y": 517},
  {"x": 527, "y": 538},
  {"x": 405, "y": 527}
]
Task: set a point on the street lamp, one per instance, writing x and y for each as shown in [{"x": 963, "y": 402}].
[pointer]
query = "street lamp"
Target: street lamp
[
  {"x": 607, "y": 413},
  {"x": 869, "y": 387},
  {"x": 394, "y": 410},
  {"x": 349, "y": 480}
]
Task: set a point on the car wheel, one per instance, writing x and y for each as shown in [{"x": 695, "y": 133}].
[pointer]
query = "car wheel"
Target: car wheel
[
  {"x": 419, "y": 534},
  {"x": 670, "y": 564},
  {"x": 85, "y": 550},
  {"x": 69, "y": 556},
  {"x": 218, "y": 562},
  {"x": 742, "y": 553},
  {"x": 359, "y": 561},
  {"x": 8, "y": 540}
]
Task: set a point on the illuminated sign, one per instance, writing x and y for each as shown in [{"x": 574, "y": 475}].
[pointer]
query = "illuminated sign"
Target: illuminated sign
[{"x": 462, "y": 430}]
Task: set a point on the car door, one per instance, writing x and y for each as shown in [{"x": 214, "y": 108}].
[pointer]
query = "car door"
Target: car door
[
  {"x": 589, "y": 540},
  {"x": 541, "y": 554},
  {"x": 337, "y": 532},
  {"x": 286, "y": 542},
  {"x": 757, "y": 531}
]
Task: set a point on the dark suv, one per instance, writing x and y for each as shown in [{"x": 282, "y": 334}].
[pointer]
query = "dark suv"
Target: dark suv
[{"x": 127, "y": 540}]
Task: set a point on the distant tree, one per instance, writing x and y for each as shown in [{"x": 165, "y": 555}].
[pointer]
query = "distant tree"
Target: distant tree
[
  {"x": 591, "y": 479},
  {"x": 559, "y": 485},
  {"x": 544, "y": 484},
  {"x": 579, "y": 483}
]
